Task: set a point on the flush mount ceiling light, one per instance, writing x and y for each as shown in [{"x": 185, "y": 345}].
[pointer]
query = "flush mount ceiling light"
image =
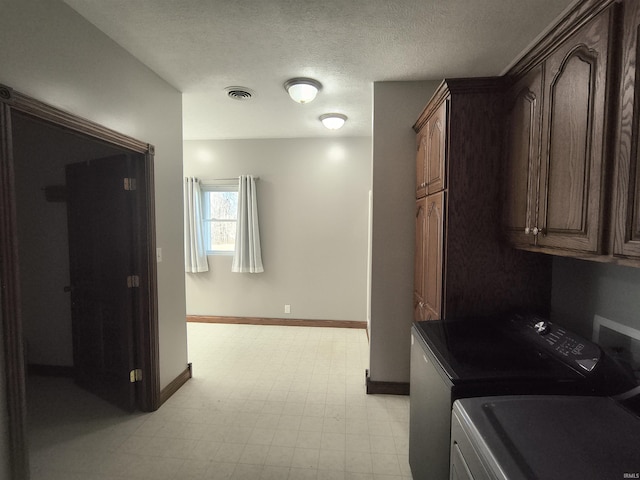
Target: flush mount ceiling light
[
  {"x": 333, "y": 121},
  {"x": 302, "y": 90}
]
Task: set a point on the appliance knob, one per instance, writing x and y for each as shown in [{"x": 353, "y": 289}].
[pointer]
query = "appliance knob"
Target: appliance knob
[{"x": 542, "y": 327}]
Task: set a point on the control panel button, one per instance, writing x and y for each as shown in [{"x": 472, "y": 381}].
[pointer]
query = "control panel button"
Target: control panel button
[
  {"x": 542, "y": 327},
  {"x": 564, "y": 345},
  {"x": 587, "y": 363}
]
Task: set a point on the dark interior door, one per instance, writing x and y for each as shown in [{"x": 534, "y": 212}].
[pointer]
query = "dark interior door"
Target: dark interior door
[{"x": 102, "y": 248}]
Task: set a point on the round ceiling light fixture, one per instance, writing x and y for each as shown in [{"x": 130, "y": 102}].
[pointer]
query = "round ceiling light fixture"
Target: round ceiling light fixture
[
  {"x": 333, "y": 121},
  {"x": 301, "y": 89}
]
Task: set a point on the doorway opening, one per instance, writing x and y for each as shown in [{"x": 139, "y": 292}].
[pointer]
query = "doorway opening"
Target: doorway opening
[{"x": 41, "y": 287}]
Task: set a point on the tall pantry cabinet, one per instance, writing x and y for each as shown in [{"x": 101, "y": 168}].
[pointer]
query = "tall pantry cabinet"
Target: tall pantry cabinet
[{"x": 462, "y": 268}]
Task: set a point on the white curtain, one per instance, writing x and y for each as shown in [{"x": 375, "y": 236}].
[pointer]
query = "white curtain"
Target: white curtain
[
  {"x": 247, "y": 257},
  {"x": 195, "y": 255}
]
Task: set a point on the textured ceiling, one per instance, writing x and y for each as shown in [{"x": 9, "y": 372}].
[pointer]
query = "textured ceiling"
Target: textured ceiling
[{"x": 203, "y": 46}]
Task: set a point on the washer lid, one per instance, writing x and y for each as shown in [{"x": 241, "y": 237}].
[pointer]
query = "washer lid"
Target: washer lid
[
  {"x": 546, "y": 437},
  {"x": 484, "y": 349}
]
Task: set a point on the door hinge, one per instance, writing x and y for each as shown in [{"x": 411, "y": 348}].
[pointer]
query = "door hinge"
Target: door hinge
[
  {"x": 135, "y": 375},
  {"x": 133, "y": 281},
  {"x": 130, "y": 184}
]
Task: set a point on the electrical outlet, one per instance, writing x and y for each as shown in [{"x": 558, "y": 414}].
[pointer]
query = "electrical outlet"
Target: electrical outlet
[{"x": 287, "y": 309}]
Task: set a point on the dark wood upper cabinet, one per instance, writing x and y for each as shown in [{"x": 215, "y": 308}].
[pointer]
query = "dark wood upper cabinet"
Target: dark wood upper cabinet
[
  {"x": 522, "y": 170},
  {"x": 557, "y": 145},
  {"x": 421, "y": 164},
  {"x": 574, "y": 150},
  {"x": 436, "y": 150},
  {"x": 431, "y": 153},
  {"x": 626, "y": 228}
]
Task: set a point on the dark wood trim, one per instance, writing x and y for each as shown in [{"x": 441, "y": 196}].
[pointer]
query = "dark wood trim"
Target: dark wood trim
[
  {"x": 153, "y": 354},
  {"x": 386, "y": 388},
  {"x": 573, "y": 20},
  {"x": 457, "y": 86},
  {"x": 175, "y": 384},
  {"x": 610, "y": 128},
  {"x": 149, "y": 398},
  {"x": 11, "y": 309},
  {"x": 61, "y": 118},
  {"x": 592, "y": 257},
  {"x": 50, "y": 370},
  {"x": 290, "y": 322},
  {"x": 147, "y": 335},
  {"x": 439, "y": 96}
]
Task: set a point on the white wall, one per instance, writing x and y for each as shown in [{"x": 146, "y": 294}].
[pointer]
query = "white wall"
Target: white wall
[
  {"x": 396, "y": 106},
  {"x": 583, "y": 289},
  {"x": 313, "y": 211},
  {"x": 51, "y": 53}
]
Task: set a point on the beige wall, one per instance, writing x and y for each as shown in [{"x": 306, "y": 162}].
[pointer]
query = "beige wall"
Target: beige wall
[
  {"x": 51, "y": 53},
  {"x": 313, "y": 211},
  {"x": 396, "y": 106}
]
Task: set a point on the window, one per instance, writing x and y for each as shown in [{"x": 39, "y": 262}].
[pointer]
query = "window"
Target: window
[{"x": 220, "y": 215}]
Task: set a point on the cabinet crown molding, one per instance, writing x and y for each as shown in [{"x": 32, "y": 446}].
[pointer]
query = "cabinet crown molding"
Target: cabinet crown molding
[
  {"x": 574, "y": 19},
  {"x": 457, "y": 86}
]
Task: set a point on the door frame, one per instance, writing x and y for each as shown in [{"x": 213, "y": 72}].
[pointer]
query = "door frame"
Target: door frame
[{"x": 146, "y": 327}]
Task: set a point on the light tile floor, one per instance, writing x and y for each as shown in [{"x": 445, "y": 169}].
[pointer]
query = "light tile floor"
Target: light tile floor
[{"x": 265, "y": 402}]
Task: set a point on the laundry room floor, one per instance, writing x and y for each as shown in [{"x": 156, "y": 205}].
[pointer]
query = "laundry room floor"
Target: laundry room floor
[{"x": 265, "y": 402}]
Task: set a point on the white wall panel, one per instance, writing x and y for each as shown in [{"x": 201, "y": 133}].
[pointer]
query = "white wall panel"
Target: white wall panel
[{"x": 313, "y": 210}]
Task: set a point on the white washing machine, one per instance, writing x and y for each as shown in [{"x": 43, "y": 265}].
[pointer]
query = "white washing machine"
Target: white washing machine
[{"x": 545, "y": 438}]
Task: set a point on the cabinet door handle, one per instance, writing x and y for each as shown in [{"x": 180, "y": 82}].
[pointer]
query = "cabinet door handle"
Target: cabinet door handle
[{"x": 527, "y": 231}]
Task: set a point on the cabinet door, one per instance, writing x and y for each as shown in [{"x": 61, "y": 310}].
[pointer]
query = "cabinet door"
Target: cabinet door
[
  {"x": 627, "y": 182},
  {"x": 573, "y": 149},
  {"x": 433, "y": 255},
  {"x": 522, "y": 162},
  {"x": 436, "y": 149},
  {"x": 421, "y": 163},
  {"x": 418, "y": 279}
]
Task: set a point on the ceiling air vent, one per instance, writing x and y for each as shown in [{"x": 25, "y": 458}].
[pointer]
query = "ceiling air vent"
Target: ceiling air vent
[{"x": 239, "y": 93}]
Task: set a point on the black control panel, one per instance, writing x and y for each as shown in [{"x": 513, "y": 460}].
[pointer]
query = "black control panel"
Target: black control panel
[{"x": 572, "y": 349}]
